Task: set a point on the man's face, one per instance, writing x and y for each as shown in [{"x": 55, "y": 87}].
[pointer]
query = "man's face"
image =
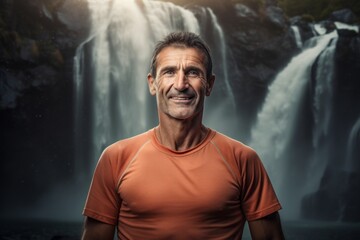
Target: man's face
[{"x": 180, "y": 85}]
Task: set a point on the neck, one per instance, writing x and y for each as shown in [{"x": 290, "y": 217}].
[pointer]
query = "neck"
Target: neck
[{"x": 180, "y": 135}]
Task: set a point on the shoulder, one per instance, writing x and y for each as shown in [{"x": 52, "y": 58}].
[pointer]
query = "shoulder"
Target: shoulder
[
  {"x": 241, "y": 158},
  {"x": 128, "y": 144},
  {"x": 235, "y": 147},
  {"x": 239, "y": 155},
  {"x": 116, "y": 157},
  {"x": 124, "y": 150}
]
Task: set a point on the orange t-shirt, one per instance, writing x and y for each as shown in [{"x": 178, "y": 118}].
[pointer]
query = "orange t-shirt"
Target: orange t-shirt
[{"x": 207, "y": 192}]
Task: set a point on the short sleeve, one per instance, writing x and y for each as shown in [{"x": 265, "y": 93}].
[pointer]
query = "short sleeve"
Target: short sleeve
[
  {"x": 103, "y": 201},
  {"x": 258, "y": 198}
]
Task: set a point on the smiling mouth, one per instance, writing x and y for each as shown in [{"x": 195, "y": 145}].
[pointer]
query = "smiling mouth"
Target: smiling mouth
[{"x": 181, "y": 99}]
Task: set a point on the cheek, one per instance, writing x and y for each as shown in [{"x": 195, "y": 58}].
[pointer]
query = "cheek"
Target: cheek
[
  {"x": 162, "y": 85},
  {"x": 200, "y": 86},
  {"x": 204, "y": 83}
]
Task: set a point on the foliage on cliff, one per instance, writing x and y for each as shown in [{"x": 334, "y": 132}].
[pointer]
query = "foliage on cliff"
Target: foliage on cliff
[{"x": 319, "y": 9}]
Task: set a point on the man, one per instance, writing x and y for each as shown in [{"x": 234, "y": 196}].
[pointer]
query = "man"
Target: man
[{"x": 180, "y": 180}]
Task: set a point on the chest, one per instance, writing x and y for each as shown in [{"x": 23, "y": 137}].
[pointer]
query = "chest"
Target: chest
[{"x": 156, "y": 184}]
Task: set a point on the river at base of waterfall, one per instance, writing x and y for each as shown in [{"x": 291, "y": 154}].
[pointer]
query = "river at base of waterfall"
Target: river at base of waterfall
[{"x": 54, "y": 230}]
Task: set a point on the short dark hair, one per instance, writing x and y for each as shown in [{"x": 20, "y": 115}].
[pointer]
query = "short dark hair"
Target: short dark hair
[{"x": 186, "y": 40}]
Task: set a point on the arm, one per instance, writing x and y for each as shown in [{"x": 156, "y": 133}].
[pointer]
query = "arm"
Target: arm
[
  {"x": 96, "y": 230},
  {"x": 267, "y": 228}
]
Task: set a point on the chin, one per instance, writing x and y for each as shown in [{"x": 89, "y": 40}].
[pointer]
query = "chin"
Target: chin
[{"x": 183, "y": 115}]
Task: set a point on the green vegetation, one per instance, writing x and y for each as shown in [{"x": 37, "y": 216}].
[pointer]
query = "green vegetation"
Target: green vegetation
[
  {"x": 318, "y": 9},
  {"x": 311, "y": 9}
]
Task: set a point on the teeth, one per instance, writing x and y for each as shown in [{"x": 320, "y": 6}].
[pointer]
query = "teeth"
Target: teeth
[{"x": 181, "y": 98}]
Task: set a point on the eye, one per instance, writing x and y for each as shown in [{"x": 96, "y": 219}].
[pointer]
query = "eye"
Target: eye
[
  {"x": 193, "y": 73},
  {"x": 169, "y": 72}
]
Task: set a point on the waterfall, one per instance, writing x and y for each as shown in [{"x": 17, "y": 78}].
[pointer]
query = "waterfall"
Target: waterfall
[
  {"x": 275, "y": 126},
  {"x": 79, "y": 93},
  {"x": 323, "y": 93},
  {"x": 165, "y": 17},
  {"x": 297, "y": 35},
  {"x": 340, "y": 25},
  {"x": 353, "y": 151},
  {"x": 220, "y": 38},
  {"x": 318, "y": 29},
  {"x": 111, "y": 91}
]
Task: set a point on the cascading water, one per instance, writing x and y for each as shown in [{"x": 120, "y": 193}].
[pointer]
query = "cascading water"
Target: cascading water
[
  {"x": 323, "y": 93},
  {"x": 220, "y": 38},
  {"x": 276, "y": 122},
  {"x": 297, "y": 35},
  {"x": 123, "y": 34},
  {"x": 353, "y": 151}
]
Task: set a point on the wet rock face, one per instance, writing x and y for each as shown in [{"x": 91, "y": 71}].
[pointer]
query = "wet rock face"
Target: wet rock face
[
  {"x": 321, "y": 205},
  {"x": 245, "y": 12},
  {"x": 275, "y": 16},
  {"x": 34, "y": 39},
  {"x": 347, "y": 62},
  {"x": 261, "y": 44},
  {"x": 344, "y": 15},
  {"x": 36, "y": 53},
  {"x": 336, "y": 198}
]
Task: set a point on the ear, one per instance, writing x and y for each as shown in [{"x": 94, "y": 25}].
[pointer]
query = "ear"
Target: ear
[
  {"x": 151, "y": 83},
  {"x": 210, "y": 84}
]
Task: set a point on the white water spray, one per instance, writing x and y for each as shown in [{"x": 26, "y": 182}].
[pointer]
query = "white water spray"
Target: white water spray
[
  {"x": 275, "y": 123},
  {"x": 221, "y": 39},
  {"x": 297, "y": 35},
  {"x": 323, "y": 93}
]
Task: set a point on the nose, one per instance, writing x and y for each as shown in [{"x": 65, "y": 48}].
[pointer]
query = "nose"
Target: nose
[{"x": 181, "y": 81}]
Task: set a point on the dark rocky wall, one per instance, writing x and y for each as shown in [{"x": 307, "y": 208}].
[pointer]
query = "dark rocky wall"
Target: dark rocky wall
[
  {"x": 262, "y": 44},
  {"x": 36, "y": 100}
]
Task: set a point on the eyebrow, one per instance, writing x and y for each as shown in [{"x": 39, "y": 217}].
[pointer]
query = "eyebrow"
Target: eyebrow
[
  {"x": 167, "y": 68},
  {"x": 187, "y": 69}
]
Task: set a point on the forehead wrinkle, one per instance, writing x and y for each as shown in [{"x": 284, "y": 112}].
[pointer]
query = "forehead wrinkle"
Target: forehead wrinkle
[
  {"x": 184, "y": 62},
  {"x": 181, "y": 54}
]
